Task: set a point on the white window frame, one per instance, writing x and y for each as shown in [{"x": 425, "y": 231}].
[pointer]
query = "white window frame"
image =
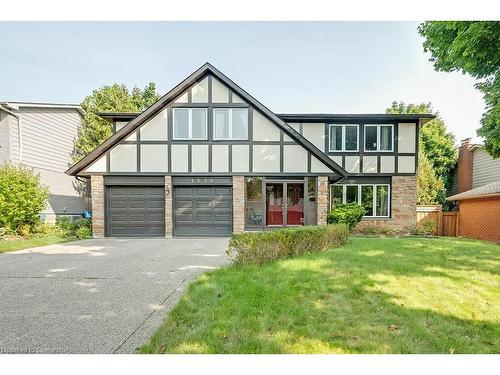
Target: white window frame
[
  {"x": 374, "y": 187},
  {"x": 190, "y": 124},
  {"x": 378, "y": 126},
  {"x": 230, "y": 137},
  {"x": 330, "y": 148}
]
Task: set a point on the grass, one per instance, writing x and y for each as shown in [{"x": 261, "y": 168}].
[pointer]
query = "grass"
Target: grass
[
  {"x": 19, "y": 244},
  {"x": 373, "y": 295}
]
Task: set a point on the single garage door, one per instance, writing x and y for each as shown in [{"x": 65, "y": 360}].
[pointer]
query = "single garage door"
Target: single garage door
[
  {"x": 135, "y": 211},
  {"x": 203, "y": 211}
]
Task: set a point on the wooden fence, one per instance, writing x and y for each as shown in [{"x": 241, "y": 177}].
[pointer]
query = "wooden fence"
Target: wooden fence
[{"x": 446, "y": 222}]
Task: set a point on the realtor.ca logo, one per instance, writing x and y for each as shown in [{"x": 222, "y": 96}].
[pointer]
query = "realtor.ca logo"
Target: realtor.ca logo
[{"x": 32, "y": 350}]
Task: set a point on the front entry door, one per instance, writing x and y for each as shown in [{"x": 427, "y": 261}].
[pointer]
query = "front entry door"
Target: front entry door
[{"x": 284, "y": 204}]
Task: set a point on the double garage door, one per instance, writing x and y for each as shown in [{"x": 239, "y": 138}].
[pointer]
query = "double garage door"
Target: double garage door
[{"x": 139, "y": 211}]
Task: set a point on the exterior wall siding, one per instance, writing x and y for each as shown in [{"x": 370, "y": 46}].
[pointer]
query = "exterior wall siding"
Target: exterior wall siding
[
  {"x": 480, "y": 218},
  {"x": 485, "y": 169},
  {"x": 47, "y": 143}
]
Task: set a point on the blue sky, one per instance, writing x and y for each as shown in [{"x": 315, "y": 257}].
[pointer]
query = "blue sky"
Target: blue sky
[{"x": 333, "y": 67}]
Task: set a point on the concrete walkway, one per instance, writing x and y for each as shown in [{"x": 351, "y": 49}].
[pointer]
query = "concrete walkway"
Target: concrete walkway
[{"x": 96, "y": 296}]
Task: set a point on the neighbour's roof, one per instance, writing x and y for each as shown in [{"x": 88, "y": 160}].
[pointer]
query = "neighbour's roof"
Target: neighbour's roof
[
  {"x": 304, "y": 117},
  {"x": 12, "y": 105},
  {"x": 490, "y": 190}
]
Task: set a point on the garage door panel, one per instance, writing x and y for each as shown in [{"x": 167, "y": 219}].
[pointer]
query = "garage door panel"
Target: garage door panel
[
  {"x": 135, "y": 211},
  {"x": 137, "y": 204},
  {"x": 202, "y": 211},
  {"x": 152, "y": 204}
]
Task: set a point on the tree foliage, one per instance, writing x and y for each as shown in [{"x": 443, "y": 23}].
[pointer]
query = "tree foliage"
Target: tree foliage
[
  {"x": 114, "y": 98},
  {"x": 22, "y": 198},
  {"x": 429, "y": 185},
  {"x": 471, "y": 47},
  {"x": 437, "y": 145}
]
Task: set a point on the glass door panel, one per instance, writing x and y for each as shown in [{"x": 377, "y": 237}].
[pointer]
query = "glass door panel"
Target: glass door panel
[
  {"x": 274, "y": 204},
  {"x": 295, "y": 204}
]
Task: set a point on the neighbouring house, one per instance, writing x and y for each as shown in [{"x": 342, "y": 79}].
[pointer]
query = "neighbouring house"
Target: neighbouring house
[
  {"x": 476, "y": 187},
  {"x": 208, "y": 159},
  {"x": 40, "y": 136}
]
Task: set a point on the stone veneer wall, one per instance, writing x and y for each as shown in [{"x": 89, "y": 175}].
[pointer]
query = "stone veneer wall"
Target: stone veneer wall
[
  {"x": 168, "y": 207},
  {"x": 322, "y": 200},
  {"x": 97, "y": 194},
  {"x": 404, "y": 206},
  {"x": 238, "y": 204}
]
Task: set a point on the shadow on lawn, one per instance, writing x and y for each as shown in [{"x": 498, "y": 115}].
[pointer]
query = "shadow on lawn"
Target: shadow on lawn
[{"x": 394, "y": 296}]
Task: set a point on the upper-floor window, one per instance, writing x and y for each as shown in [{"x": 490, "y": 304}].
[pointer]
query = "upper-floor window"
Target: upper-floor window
[
  {"x": 231, "y": 123},
  {"x": 379, "y": 137},
  {"x": 343, "y": 137},
  {"x": 190, "y": 123}
]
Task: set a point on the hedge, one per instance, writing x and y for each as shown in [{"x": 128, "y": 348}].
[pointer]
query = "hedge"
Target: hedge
[{"x": 263, "y": 247}]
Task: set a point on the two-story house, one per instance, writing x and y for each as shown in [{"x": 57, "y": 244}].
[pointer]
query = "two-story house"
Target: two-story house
[
  {"x": 41, "y": 136},
  {"x": 208, "y": 159}
]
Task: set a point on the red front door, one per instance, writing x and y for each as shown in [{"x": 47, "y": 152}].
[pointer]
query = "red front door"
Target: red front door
[
  {"x": 291, "y": 213},
  {"x": 274, "y": 204}
]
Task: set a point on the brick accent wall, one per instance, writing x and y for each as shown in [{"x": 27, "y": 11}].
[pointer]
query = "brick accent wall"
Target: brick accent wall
[
  {"x": 465, "y": 165},
  {"x": 404, "y": 206},
  {"x": 480, "y": 218},
  {"x": 97, "y": 194},
  {"x": 322, "y": 200},
  {"x": 169, "y": 220},
  {"x": 238, "y": 204}
]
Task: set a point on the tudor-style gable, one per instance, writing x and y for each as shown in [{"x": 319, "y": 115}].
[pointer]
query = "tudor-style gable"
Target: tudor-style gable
[{"x": 208, "y": 127}]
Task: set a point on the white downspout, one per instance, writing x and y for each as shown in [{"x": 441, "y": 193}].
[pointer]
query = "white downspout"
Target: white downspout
[{"x": 19, "y": 131}]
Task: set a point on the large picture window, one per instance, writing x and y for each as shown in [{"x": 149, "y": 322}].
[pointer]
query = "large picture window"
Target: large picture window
[
  {"x": 343, "y": 137},
  {"x": 231, "y": 123},
  {"x": 190, "y": 123},
  {"x": 374, "y": 198},
  {"x": 379, "y": 137}
]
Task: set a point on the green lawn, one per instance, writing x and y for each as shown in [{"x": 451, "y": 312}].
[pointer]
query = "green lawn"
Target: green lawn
[
  {"x": 13, "y": 245},
  {"x": 373, "y": 295}
]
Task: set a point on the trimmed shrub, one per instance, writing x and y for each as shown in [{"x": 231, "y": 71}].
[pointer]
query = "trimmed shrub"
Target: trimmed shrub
[
  {"x": 262, "y": 247},
  {"x": 72, "y": 228},
  {"x": 21, "y": 198},
  {"x": 349, "y": 214}
]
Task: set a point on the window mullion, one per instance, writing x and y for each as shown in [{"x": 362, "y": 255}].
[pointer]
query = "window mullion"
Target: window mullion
[
  {"x": 374, "y": 200},
  {"x": 344, "y": 194}
]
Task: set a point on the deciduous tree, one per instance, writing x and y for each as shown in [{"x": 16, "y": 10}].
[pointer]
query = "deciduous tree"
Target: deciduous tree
[
  {"x": 471, "y": 47},
  {"x": 114, "y": 98}
]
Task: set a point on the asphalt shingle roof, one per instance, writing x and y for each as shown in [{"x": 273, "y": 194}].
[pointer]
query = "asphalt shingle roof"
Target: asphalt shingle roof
[{"x": 480, "y": 192}]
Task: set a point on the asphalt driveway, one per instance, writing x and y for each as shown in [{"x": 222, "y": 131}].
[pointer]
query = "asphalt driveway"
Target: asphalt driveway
[{"x": 96, "y": 296}]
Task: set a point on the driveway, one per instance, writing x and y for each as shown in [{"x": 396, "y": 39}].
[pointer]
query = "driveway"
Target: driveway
[{"x": 96, "y": 296}]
